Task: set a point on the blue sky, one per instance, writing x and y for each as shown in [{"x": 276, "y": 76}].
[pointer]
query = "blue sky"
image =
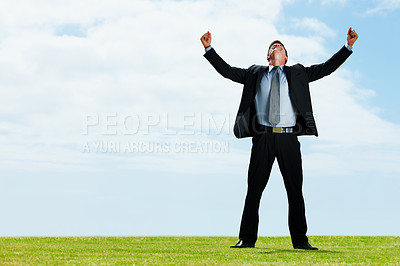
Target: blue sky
[{"x": 113, "y": 123}]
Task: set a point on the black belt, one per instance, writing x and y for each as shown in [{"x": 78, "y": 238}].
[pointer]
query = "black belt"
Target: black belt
[{"x": 263, "y": 128}]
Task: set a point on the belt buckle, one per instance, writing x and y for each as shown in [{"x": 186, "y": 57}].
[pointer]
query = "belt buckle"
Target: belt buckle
[{"x": 277, "y": 130}]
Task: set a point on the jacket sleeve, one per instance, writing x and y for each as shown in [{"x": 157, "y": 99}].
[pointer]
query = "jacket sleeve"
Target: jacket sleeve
[
  {"x": 316, "y": 72},
  {"x": 233, "y": 73}
]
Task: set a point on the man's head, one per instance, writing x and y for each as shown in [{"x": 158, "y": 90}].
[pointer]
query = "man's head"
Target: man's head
[{"x": 277, "y": 50}]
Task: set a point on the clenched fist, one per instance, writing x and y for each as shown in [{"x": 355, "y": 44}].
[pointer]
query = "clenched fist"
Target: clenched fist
[
  {"x": 352, "y": 37},
  {"x": 206, "y": 39}
]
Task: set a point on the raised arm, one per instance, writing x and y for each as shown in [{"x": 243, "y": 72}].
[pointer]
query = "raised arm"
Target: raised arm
[
  {"x": 232, "y": 73},
  {"x": 316, "y": 72}
]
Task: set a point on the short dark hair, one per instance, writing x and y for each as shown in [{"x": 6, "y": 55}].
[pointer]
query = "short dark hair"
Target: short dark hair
[{"x": 277, "y": 41}]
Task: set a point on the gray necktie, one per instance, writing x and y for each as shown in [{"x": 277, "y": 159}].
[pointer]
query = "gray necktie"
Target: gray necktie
[{"x": 274, "y": 99}]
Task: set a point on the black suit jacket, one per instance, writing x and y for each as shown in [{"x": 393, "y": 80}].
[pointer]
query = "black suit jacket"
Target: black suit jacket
[{"x": 298, "y": 78}]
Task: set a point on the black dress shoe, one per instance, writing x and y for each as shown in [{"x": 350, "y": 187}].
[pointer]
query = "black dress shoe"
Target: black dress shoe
[
  {"x": 305, "y": 246},
  {"x": 243, "y": 244}
]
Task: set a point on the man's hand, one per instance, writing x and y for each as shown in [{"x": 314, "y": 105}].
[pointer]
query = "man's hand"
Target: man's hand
[
  {"x": 206, "y": 39},
  {"x": 352, "y": 37}
]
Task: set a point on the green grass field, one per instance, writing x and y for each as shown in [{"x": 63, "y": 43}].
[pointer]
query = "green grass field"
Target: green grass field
[{"x": 196, "y": 250}]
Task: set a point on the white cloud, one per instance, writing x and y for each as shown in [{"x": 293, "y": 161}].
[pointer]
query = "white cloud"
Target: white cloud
[
  {"x": 383, "y": 7},
  {"x": 131, "y": 60},
  {"x": 351, "y": 135},
  {"x": 314, "y": 27}
]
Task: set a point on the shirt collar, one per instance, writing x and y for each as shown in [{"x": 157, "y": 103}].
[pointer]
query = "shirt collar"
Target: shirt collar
[{"x": 270, "y": 67}]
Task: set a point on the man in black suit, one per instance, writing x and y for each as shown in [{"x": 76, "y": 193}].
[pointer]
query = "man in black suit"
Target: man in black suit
[{"x": 275, "y": 108}]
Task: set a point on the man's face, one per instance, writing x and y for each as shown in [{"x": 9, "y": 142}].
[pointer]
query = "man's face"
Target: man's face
[{"x": 276, "y": 48}]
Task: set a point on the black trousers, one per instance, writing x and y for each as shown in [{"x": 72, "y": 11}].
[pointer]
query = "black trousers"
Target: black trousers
[{"x": 286, "y": 148}]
